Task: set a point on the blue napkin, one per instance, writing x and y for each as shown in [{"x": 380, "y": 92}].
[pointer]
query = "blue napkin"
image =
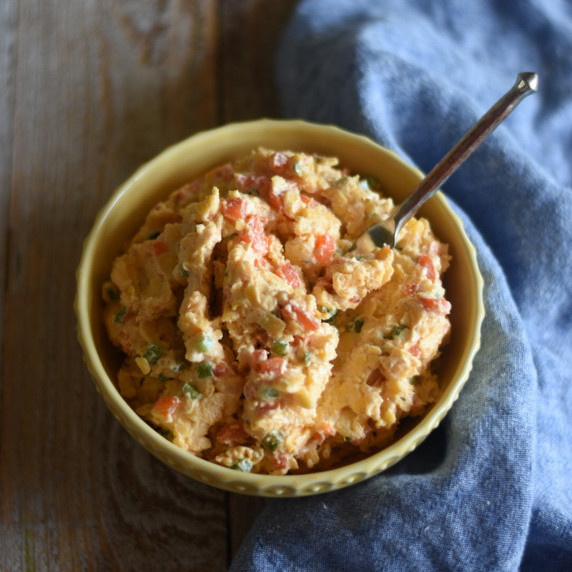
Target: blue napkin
[{"x": 491, "y": 489}]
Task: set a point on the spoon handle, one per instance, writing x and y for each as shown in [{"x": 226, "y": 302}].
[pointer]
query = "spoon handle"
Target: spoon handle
[{"x": 526, "y": 83}]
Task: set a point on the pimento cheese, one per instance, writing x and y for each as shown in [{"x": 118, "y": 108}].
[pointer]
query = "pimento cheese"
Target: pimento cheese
[{"x": 257, "y": 336}]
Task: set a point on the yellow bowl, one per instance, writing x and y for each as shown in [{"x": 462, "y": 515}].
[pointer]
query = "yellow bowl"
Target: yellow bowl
[{"x": 123, "y": 215}]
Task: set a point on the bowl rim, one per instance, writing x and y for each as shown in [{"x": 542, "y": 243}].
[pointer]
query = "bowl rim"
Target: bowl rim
[{"x": 223, "y": 477}]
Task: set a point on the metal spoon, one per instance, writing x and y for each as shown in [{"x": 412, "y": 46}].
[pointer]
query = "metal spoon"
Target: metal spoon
[{"x": 387, "y": 231}]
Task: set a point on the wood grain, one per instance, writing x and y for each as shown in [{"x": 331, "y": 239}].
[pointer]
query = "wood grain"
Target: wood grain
[
  {"x": 249, "y": 38},
  {"x": 8, "y": 26},
  {"x": 92, "y": 90}
]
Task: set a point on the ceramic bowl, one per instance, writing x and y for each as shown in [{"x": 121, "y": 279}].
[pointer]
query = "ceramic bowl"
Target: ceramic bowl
[{"x": 123, "y": 215}]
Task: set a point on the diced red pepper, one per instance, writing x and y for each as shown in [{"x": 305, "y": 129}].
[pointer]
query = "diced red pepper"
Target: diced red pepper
[
  {"x": 427, "y": 262},
  {"x": 280, "y": 461},
  {"x": 276, "y": 195},
  {"x": 253, "y": 233},
  {"x": 280, "y": 163},
  {"x": 328, "y": 429},
  {"x": 324, "y": 248},
  {"x": 308, "y": 321},
  {"x": 234, "y": 209},
  {"x": 273, "y": 365},
  {"x": 247, "y": 182},
  {"x": 410, "y": 289},
  {"x": 266, "y": 405},
  {"x": 222, "y": 368},
  {"x": 261, "y": 263},
  {"x": 276, "y": 201},
  {"x": 439, "y": 305},
  {"x": 232, "y": 434},
  {"x": 263, "y": 184},
  {"x": 160, "y": 247},
  {"x": 258, "y": 355},
  {"x": 288, "y": 272},
  {"x": 303, "y": 317},
  {"x": 260, "y": 244},
  {"x": 325, "y": 430},
  {"x": 166, "y": 406},
  {"x": 308, "y": 200},
  {"x": 183, "y": 195},
  {"x": 224, "y": 172},
  {"x": 263, "y": 364},
  {"x": 415, "y": 350}
]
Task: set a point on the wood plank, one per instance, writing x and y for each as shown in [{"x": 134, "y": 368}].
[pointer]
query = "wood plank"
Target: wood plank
[
  {"x": 243, "y": 511},
  {"x": 8, "y": 43},
  {"x": 250, "y": 32},
  {"x": 97, "y": 93},
  {"x": 8, "y": 38}
]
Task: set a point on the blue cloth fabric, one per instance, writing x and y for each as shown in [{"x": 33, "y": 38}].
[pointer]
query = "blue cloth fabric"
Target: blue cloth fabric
[{"x": 491, "y": 489}]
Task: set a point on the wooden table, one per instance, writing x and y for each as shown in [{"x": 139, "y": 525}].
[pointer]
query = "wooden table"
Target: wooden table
[{"x": 90, "y": 89}]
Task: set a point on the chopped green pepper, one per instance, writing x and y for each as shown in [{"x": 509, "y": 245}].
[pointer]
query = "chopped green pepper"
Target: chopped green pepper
[
  {"x": 204, "y": 343},
  {"x": 298, "y": 168},
  {"x": 332, "y": 312},
  {"x": 332, "y": 317},
  {"x": 358, "y": 325},
  {"x": 279, "y": 347},
  {"x": 205, "y": 369},
  {"x": 395, "y": 332},
  {"x": 269, "y": 393},
  {"x": 153, "y": 353},
  {"x": 369, "y": 183},
  {"x": 112, "y": 293},
  {"x": 178, "y": 366},
  {"x": 272, "y": 440},
  {"x": 154, "y": 235},
  {"x": 244, "y": 465},
  {"x": 341, "y": 182},
  {"x": 119, "y": 317},
  {"x": 189, "y": 390},
  {"x": 167, "y": 433}
]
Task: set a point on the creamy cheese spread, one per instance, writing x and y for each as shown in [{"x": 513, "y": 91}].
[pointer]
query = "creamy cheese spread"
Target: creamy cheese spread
[{"x": 257, "y": 336}]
